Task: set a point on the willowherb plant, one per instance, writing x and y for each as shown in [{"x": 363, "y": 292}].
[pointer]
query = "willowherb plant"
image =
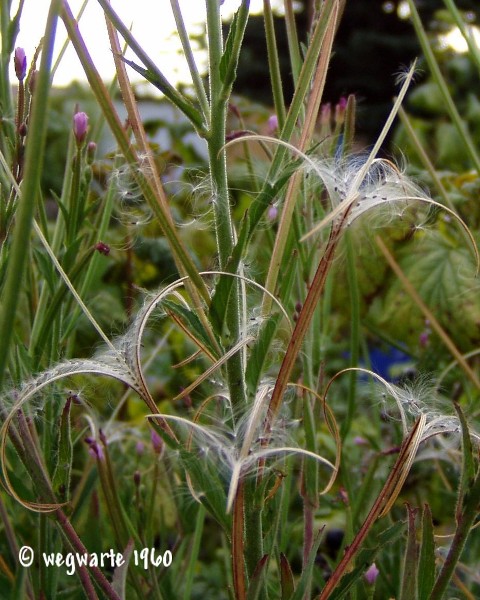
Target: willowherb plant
[{"x": 250, "y": 409}]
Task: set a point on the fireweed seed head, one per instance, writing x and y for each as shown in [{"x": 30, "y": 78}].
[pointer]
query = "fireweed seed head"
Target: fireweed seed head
[
  {"x": 80, "y": 127},
  {"x": 125, "y": 180},
  {"x": 354, "y": 185},
  {"x": 20, "y": 63}
]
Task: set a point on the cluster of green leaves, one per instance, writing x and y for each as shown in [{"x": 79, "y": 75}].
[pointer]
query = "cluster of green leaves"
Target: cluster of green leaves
[{"x": 230, "y": 421}]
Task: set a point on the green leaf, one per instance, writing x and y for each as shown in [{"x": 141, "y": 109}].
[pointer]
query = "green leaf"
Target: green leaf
[
  {"x": 192, "y": 323},
  {"x": 207, "y": 479},
  {"x": 286, "y": 578},
  {"x": 63, "y": 469},
  {"x": 306, "y": 576},
  {"x": 229, "y": 61},
  {"x": 364, "y": 559},
  {"x": 259, "y": 205},
  {"x": 119, "y": 579},
  {"x": 219, "y": 303},
  {"x": 257, "y": 580},
  {"x": 258, "y": 355},
  {"x": 410, "y": 564},
  {"x": 468, "y": 466},
  {"x": 45, "y": 268},
  {"x": 442, "y": 272},
  {"x": 426, "y": 565},
  {"x": 157, "y": 79},
  {"x": 227, "y": 54}
]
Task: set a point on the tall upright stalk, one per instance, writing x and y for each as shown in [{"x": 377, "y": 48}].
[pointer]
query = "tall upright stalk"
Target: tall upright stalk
[
  {"x": 33, "y": 168},
  {"x": 217, "y": 159}
]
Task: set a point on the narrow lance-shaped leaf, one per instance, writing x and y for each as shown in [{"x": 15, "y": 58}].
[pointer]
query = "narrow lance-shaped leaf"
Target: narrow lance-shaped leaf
[
  {"x": 426, "y": 565},
  {"x": 410, "y": 564},
  {"x": 61, "y": 477},
  {"x": 257, "y": 580},
  {"x": 286, "y": 578},
  {"x": 229, "y": 60},
  {"x": 365, "y": 557},
  {"x": 157, "y": 79},
  {"x": 468, "y": 467}
]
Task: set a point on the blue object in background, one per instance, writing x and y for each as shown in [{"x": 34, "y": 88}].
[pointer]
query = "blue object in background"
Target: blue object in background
[{"x": 390, "y": 362}]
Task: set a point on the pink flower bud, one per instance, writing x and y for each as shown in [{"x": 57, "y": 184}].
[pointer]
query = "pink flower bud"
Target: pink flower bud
[
  {"x": 96, "y": 451},
  {"x": 157, "y": 442},
  {"x": 340, "y": 111},
  {"x": 360, "y": 441},
  {"x": 20, "y": 63},
  {"x": 272, "y": 124},
  {"x": 91, "y": 151},
  {"x": 272, "y": 213},
  {"x": 325, "y": 114},
  {"x": 80, "y": 126},
  {"x": 32, "y": 80},
  {"x": 102, "y": 248},
  {"x": 371, "y": 574}
]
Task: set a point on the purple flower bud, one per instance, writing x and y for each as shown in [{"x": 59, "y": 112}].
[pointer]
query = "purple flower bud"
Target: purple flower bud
[
  {"x": 91, "y": 151},
  {"x": 140, "y": 448},
  {"x": 20, "y": 63},
  {"x": 235, "y": 110},
  {"x": 136, "y": 478},
  {"x": 371, "y": 574},
  {"x": 340, "y": 111},
  {"x": 157, "y": 442},
  {"x": 102, "y": 248},
  {"x": 360, "y": 441},
  {"x": 272, "y": 124},
  {"x": 325, "y": 113},
  {"x": 32, "y": 80},
  {"x": 103, "y": 437},
  {"x": 272, "y": 213},
  {"x": 96, "y": 451},
  {"x": 423, "y": 339},
  {"x": 80, "y": 126}
]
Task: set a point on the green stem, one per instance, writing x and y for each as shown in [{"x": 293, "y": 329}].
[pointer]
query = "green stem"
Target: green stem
[
  {"x": 35, "y": 146},
  {"x": 274, "y": 64},
  {"x": 155, "y": 199},
  {"x": 195, "y": 547},
  {"x": 75, "y": 205},
  {"x": 221, "y": 204},
  {"x": 465, "y": 524},
  {"x": 189, "y": 57},
  {"x": 216, "y": 137},
  {"x": 443, "y": 87},
  {"x": 293, "y": 43},
  {"x": 354, "y": 332}
]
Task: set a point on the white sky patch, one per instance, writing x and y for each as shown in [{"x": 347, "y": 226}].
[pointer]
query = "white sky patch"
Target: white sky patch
[
  {"x": 152, "y": 24},
  {"x": 455, "y": 41}
]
